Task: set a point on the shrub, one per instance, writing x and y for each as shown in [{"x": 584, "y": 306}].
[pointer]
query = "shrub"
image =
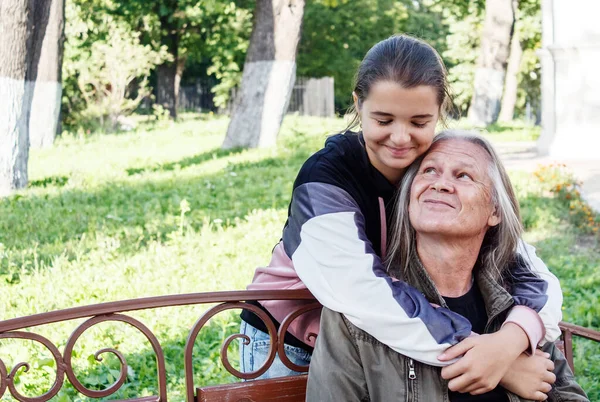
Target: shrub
[
  {"x": 109, "y": 67},
  {"x": 557, "y": 181}
]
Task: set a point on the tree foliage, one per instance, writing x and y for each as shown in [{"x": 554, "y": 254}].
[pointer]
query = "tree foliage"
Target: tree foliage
[
  {"x": 226, "y": 45},
  {"x": 337, "y": 34},
  {"x": 214, "y": 36},
  {"x": 529, "y": 24},
  {"x": 107, "y": 65},
  {"x": 465, "y": 22},
  {"x": 107, "y": 74},
  {"x": 213, "y": 33},
  {"x": 464, "y": 19}
]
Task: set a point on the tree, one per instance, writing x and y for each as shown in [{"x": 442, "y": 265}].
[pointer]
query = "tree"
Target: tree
[
  {"x": 24, "y": 25},
  {"x": 169, "y": 73},
  {"x": 110, "y": 69},
  {"x": 347, "y": 29},
  {"x": 226, "y": 46},
  {"x": 529, "y": 27},
  {"x": 511, "y": 84},
  {"x": 491, "y": 67},
  {"x": 464, "y": 21},
  {"x": 163, "y": 23},
  {"x": 192, "y": 31},
  {"x": 16, "y": 89},
  {"x": 45, "y": 108},
  {"x": 268, "y": 76}
]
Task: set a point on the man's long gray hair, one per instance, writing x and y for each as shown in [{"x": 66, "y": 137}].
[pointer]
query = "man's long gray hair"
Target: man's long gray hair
[{"x": 500, "y": 242}]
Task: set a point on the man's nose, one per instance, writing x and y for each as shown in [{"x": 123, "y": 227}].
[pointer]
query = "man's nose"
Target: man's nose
[{"x": 442, "y": 185}]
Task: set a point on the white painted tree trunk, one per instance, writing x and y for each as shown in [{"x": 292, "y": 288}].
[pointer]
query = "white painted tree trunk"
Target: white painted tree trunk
[
  {"x": 46, "y": 103},
  {"x": 491, "y": 66},
  {"x": 45, "y": 114},
  {"x": 259, "y": 108},
  {"x": 16, "y": 28},
  {"x": 269, "y": 75}
]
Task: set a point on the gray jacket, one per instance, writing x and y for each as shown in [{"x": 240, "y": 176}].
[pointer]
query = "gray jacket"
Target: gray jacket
[{"x": 350, "y": 365}]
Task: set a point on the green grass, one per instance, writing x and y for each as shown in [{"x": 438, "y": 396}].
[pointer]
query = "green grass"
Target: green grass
[
  {"x": 102, "y": 221},
  {"x": 514, "y": 131}
]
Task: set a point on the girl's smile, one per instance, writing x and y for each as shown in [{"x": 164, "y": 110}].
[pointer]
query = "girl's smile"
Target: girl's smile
[{"x": 398, "y": 125}]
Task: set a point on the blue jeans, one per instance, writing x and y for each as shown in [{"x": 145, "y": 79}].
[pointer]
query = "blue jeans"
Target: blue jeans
[{"x": 253, "y": 355}]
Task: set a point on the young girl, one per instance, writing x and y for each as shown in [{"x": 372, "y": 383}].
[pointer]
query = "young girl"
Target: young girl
[{"x": 334, "y": 239}]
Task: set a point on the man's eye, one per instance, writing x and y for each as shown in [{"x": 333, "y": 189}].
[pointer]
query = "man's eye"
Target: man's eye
[
  {"x": 429, "y": 170},
  {"x": 464, "y": 176}
]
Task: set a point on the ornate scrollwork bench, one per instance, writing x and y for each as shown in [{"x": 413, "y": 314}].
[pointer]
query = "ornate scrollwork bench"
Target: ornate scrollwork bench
[{"x": 281, "y": 389}]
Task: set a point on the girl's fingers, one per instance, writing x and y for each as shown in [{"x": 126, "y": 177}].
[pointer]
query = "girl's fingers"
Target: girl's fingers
[
  {"x": 454, "y": 370},
  {"x": 545, "y": 387},
  {"x": 479, "y": 391},
  {"x": 457, "y": 350},
  {"x": 458, "y": 384},
  {"x": 549, "y": 377}
]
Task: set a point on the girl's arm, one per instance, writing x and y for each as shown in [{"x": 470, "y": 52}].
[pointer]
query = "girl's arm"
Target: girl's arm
[
  {"x": 325, "y": 238},
  {"x": 537, "y": 296},
  {"x": 532, "y": 294}
]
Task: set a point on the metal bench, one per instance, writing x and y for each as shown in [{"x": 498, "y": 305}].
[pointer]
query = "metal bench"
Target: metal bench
[{"x": 279, "y": 389}]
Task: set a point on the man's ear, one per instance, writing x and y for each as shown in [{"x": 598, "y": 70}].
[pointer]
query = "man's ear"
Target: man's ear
[
  {"x": 355, "y": 99},
  {"x": 494, "y": 218}
]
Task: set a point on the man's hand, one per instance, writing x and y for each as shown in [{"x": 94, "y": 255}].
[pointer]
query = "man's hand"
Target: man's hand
[
  {"x": 530, "y": 377},
  {"x": 485, "y": 359}
]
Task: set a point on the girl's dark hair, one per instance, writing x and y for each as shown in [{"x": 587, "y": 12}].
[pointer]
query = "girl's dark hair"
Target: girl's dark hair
[{"x": 407, "y": 61}]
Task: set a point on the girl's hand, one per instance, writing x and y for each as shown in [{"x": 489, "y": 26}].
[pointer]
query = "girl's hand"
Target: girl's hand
[
  {"x": 530, "y": 377},
  {"x": 485, "y": 359}
]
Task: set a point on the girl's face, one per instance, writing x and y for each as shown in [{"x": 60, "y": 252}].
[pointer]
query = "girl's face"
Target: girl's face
[{"x": 398, "y": 125}]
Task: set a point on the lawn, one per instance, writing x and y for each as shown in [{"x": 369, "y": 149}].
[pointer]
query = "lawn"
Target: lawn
[{"x": 106, "y": 218}]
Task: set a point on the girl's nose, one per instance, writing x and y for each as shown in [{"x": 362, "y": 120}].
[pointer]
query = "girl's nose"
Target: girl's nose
[{"x": 400, "y": 134}]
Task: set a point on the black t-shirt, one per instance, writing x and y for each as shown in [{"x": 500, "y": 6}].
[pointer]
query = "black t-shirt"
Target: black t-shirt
[{"x": 472, "y": 307}]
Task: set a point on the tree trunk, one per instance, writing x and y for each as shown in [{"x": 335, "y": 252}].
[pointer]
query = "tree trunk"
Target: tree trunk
[
  {"x": 45, "y": 108},
  {"x": 167, "y": 72},
  {"x": 511, "y": 83},
  {"x": 491, "y": 66},
  {"x": 269, "y": 74},
  {"x": 178, "y": 74},
  {"x": 16, "y": 31}
]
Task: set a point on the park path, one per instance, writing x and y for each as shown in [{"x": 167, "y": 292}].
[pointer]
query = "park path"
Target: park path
[{"x": 523, "y": 156}]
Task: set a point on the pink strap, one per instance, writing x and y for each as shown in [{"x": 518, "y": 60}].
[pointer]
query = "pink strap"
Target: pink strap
[{"x": 383, "y": 228}]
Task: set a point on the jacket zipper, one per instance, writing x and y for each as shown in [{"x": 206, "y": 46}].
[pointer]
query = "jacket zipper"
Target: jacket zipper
[{"x": 412, "y": 376}]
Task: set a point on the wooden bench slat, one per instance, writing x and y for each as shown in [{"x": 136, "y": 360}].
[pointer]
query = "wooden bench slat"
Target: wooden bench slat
[{"x": 291, "y": 389}]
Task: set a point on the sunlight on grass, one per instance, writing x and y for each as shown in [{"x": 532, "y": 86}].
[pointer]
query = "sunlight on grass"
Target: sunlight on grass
[{"x": 513, "y": 131}]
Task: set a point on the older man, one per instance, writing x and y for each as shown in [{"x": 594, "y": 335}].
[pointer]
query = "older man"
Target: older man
[{"x": 455, "y": 239}]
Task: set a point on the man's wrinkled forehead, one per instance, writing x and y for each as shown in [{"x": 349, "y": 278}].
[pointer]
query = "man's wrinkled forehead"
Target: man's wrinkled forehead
[{"x": 469, "y": 153}]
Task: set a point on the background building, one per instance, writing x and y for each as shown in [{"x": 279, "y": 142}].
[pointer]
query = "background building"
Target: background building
[{"x": 570, "y": 58}]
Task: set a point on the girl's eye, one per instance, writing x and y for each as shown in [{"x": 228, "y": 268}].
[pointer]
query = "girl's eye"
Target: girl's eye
[
  {"x": 419, "y": 125},
  {"x": 383, "y": 122}
]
